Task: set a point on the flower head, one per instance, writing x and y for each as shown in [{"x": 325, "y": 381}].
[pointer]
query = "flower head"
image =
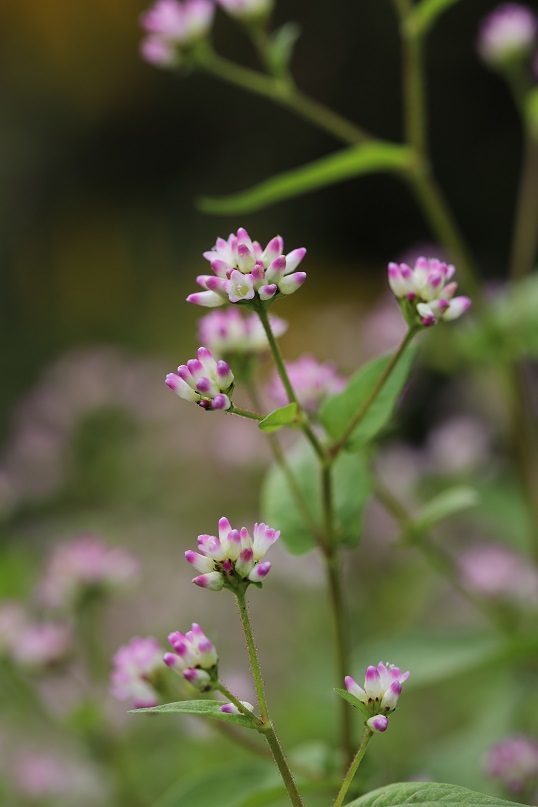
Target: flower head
[
  {"x": 82, "y": 566},
  {"x": 508, "y": 33},
  {"x": 247, "y": 9},
  {"x": 234, "y": 558},
  {"x": 204, "y": 381},
  {"x": 382, "y": 688},
  {"x": 194, "y": 657},
  {"x": 514, "y": 761},
  {"x": 229, "y": 332},
  {"x": 312, "y": 381},
  {"x": 499, "y": 573},
  {"x": 136, "y": 667},
  {"x": 42, "y": 644},
  {"x": 424, "y": 293},
  {"x": 172, "y": 28},
  {"x": 244, "y": 272}
]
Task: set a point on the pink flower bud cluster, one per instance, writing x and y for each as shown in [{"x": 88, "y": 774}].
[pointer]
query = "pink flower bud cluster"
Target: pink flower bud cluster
[
  {"x": 424, "y": 292},
  {"x": 382, "y": 689},
  {"x": 204, "y": 381},
  {"x": 172, "y": 27},
  {"x": 312, "y": 381},
  {"x": 514, "y": 761},
  {"x": 233, "y": 557},
  {"x": 228, "y": 331},
  {"x": 244, "y": 271},
  {"x": 509, "y": 32},
  {"x": 83, "y": 565},
  {"x": 136, "y": 667},
  {"x": 194, "y": 657},
  {"x": 247, "y": 9}
]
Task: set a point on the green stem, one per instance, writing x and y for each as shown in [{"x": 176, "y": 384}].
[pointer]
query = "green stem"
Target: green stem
[
  {"x": 353, "y": 768},
  {"x": 253, "y": 655},
  {"x": 282, "y": 372},
  {"x": 526, "y": 218},
  {"x": 244, "y": 413},
  {"x": 265, "y": 724},
  {"x": 284, "y": 93},
  {"x": 380, "y": 383},
  {"x": 283, "y": 767}
]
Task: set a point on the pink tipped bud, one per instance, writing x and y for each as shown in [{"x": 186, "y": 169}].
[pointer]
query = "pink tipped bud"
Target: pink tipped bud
[
  {"x": 268, "y": 291},
  {"x": 390, "y": 698},
  {"x": 260, "y": 571},
  {"x": 378, "y": 723},
  {"x": 245, "y": 562},
  {"x": 225, "y": 376},
  {"x": 173, "y": 661},
  {"x": 290, "y": 283},
  {"x": 354, "y": 689},
  {"x": 231, "y": 708},
  {"x": 200, "y": 562},
  {"x": 221, "y": 402},
  {"x": 198, "y": 678},
  {"x": 213, "y": 581}
]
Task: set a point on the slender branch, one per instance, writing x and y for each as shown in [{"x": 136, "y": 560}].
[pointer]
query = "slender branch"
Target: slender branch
[
  {"x": 525, "y": 233},
  {"x": 282, "y": 372},
  {"x": 253, "y": 655},
  {"x": 286, "y": 94},
  {"x": 237, "y": 703},
  {"x": 380, "y": 383},
  {"x": 265, "y": 724},
  {"x": 244, "y": 413},
  {"x": 353, "y": 768}
]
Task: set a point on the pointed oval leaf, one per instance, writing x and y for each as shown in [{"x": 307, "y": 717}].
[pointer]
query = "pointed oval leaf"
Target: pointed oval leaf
[
  {"x": 338, "y": 411},
  {"x": 200, "y": 709},
  {"x": 352, "y": 485},
  {"x": 427, "y": 794},
  {"x": 347, "y": 696},
  {"x": 445, "y": 504},
  {"x": 364, "y": 159},
  {"x": 285, "y": 416}
]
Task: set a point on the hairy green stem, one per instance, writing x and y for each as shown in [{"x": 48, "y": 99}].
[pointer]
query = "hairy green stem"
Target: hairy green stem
[
  {"x": 265, "y": 725},
  {"x": 353, "y": 768},
  {"x": 284, "y": 93},
  {"x": 380, "y": 383}
]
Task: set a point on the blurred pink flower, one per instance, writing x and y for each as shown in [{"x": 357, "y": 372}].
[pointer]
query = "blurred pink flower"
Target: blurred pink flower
[
  {"x": 312, "y": 381},
  {"x": 459, "y": 444},
  {"x": 509, "y": 32},
  {"x": 499, "y": 572},
  {"x": 44, "y": 776},
  {"x": 42, "y": 644},
  {"x": 173, "y": 26},
  {"x": 228, "y": 331},
  {"x": 514, "y": 761},
  {"x": 84, "y": 564},
  {"x": 136, "y": 667}
]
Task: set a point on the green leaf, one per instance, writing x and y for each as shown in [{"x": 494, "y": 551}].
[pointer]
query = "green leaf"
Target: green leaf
[
  {"x": 347, "y": 696},
  {"x": 427, "y": 794},
  {"x": 285, "y": 416},
  {"x": 445, "y": 504},
  {"x": 280, "y": 47},
  {"x": 425, "y": 14},
  {"x": 352, "y": 486},
  {"x": 338, "y": 411},
  {"x": 356, "y": 161},
  {"x": 198, "y": 708}
]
